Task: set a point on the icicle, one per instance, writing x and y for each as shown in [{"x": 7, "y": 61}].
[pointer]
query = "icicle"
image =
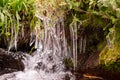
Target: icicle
[
  {"x": 84, "y": 45},
  {"x": 74, "y": 49},
  {"x": 23, "y": 31},
  {"x": 36, "y": 43},
  {"x": 111, "y": 38},
  {"x": 73, "y": 46},
  {"x": 40, "y": 46},
  {"x": 32, "y": 40},
  {"x": 15, "y": 42},
  {"x": 79, "y": 26},
  {"x": 46, "y": 25},
  {"x": 58, "y": 37},
  {"x": 73, "y": 33},
  {"x": 81, "y": 44},
  {"x": 64, "y": 39},
  {"x": 75, "y": 26},
  {"x": 109, "y": 42}
]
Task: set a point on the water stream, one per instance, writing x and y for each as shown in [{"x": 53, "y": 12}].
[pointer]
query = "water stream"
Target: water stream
[
  {"x": 41, "y": 66},
  {"x": 47, "y": 62}
]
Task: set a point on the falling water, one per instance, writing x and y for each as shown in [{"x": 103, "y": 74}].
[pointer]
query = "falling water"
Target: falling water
[
  {"x": 40, "y": 66},
  {"x": 47, "y": 62},
  {"x": 54, "y": 37}
]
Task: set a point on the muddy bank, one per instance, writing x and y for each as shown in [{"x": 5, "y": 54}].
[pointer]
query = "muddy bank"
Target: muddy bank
[
  {"x": 89, "y": 69},
  {"x": 96, "y": 74}
]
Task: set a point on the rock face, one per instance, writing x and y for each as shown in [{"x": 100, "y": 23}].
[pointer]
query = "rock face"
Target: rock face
[
  {"x": 87, "y": 62},
  {"x": 92, "y": 61},
  {"x": 8, "y": 62}
]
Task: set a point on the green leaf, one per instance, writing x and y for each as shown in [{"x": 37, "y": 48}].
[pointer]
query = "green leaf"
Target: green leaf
[{"x": 7, "y": 33}]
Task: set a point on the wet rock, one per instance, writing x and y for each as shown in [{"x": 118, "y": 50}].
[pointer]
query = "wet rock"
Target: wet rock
[
  {"x": 92, "y": 61},
  {"x": 88, "y": 61},
  {"x": 50, "y": 58},
  {"x": 42, "y": 67},
  {"x": 67, "y": 77},
  {"x": 7, "y": 70},
  {"x": 39, "y": 66},
  {"x": 8, "y": 63}
]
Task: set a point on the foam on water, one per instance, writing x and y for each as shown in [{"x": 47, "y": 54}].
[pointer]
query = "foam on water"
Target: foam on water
[
  {"x": 47, "y": 62},
  {"x": 41, "y": 66}
]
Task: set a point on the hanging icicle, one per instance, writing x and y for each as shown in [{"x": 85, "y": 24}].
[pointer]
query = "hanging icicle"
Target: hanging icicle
[
  {"x": 73, "y": 31},
  {"x": 54, "y": 36},
  {"x": 81, "y": 44},
  {"x": 84, "y": 44}
]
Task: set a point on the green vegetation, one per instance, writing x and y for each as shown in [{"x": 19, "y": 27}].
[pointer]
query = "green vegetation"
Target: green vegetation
[
  {"x": 110, "y": 55},
  {"x": 15, "y": 15},
  {"x": 68, "y": 63}
]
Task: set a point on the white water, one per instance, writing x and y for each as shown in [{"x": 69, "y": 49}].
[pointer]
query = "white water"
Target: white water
[
  {"x": 47, "y": 62},
  {"x": 41, "y": 66}
]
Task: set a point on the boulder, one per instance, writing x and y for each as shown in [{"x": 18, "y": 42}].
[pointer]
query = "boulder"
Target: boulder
[{"x": 9, "y": 63}]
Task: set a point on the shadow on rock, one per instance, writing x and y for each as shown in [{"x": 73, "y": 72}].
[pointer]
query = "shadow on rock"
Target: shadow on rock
[{"x": 8, "y": 63}]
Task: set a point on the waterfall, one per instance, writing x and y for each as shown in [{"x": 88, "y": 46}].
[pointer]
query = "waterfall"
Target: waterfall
[
  {"x": 41, "y": 66},
  {"x": 54, "y": 36},
  {"x": 47, "y": 62}
]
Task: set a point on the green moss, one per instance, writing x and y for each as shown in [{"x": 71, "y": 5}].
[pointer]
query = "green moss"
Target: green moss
[
  {"x": 100, "y": 46},
  {"x": 110, "y": 59},
  {"x": 68, "y": 63},
  {"x": 112, "y": 66}
]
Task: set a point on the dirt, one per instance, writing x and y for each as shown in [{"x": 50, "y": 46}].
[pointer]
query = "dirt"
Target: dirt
[{"x": 96, "y": 74}]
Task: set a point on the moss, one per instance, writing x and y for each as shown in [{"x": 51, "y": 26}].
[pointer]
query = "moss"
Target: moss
[
  {"x": 112, "y": 66},
  {"x": 68, "y": 63},
  {"x": 101, "y": 45},
  {"x": 110, "y": 59}
]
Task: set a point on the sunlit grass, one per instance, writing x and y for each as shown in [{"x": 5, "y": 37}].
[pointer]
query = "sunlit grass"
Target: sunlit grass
[{"x": 13, "y": 13}]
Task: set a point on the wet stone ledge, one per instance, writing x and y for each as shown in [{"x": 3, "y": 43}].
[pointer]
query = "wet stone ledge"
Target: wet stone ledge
[{"x": 10, "y": 62}]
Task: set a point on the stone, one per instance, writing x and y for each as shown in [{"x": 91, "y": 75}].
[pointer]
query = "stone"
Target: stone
[{"x": 8, "y": 63}]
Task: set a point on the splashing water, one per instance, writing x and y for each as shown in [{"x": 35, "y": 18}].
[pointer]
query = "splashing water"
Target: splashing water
[
  {"x": 41, "y": 66},
  {"x": 47, "y": 62}
]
